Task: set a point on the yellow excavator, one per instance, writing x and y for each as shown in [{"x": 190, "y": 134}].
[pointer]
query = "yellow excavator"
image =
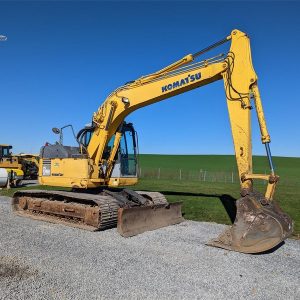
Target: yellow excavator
[
  {"x": 106, "y": 157},
  {"x": 11, "y": 167},
  {"x": 16, "y": 167}
]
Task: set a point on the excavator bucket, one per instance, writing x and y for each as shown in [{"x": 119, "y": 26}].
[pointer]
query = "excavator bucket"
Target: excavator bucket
[
  {"x": 136, "y": 220},
  {"x": 259, "y": 226}
]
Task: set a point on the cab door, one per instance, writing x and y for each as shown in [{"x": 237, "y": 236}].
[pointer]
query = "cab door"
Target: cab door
[{"x": 128, "y": 152}]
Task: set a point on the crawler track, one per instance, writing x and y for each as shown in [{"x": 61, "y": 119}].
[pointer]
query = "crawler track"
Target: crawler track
[
  {"x": 91, "y": 211},
  {"x": 86, "y": 211}
]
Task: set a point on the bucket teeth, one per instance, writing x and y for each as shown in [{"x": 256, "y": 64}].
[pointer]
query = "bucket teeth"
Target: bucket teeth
[{"x": 257, "y": 227}]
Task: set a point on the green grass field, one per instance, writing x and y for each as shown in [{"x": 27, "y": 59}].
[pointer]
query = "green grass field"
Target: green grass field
[
  {"x": 207, "y": 201},
  {"x": 212, "y": 201},
  {"x": 288, "y": 168}
]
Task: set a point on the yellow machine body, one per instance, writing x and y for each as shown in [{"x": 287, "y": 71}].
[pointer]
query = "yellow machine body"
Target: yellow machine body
[{"x": 77, "y": 173}]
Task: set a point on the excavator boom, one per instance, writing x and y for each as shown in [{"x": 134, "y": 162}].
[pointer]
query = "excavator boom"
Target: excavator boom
[{"x": 107, "y": 157}]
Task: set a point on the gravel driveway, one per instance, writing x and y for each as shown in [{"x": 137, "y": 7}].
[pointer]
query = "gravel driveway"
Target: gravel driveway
[{"x": 41, "y": 260}]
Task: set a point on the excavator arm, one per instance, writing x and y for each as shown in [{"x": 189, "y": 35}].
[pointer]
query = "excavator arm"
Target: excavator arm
[{"x": 240, "y": 82}]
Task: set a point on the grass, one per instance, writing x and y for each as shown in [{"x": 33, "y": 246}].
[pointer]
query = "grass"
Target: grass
[
  {"x": 287, "y": 167},
  {"x": 206, "y": 201}
]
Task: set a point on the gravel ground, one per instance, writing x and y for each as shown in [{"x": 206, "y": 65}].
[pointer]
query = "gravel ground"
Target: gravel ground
[
  {"x": 41, "y": 260},
  {"x": 30, "y": 182}
]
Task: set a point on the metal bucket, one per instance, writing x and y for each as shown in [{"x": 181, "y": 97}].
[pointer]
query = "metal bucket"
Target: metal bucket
[{"x": 259, "y": 226}]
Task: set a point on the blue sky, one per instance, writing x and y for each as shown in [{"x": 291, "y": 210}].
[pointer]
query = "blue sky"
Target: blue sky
[{"x": 62, "y": 59}]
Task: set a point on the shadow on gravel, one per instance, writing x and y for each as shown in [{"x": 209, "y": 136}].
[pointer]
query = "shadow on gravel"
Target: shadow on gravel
[
  {"x": 271, "y": 250},
  {"x": 10, "y": 267},
  {"x": 227, "y": 200},
  {"x": 28, "y": 182},
  {"x": 23, "y": 185}
]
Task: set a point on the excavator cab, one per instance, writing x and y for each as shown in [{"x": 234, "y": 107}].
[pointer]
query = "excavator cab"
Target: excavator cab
[
  {"x": 127, "y": 163},
  {"x": 126, "y": 158},
  {"x": 5, "y": 151}
]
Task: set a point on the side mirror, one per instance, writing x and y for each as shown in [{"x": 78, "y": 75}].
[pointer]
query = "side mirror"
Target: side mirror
[{"x": 56, "y": 130}]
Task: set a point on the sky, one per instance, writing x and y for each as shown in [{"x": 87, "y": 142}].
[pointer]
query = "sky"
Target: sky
[{"x": 62, "y": 59}]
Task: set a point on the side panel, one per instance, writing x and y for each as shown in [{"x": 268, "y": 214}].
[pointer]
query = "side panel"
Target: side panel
[{"x": 68, "y": 172}]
